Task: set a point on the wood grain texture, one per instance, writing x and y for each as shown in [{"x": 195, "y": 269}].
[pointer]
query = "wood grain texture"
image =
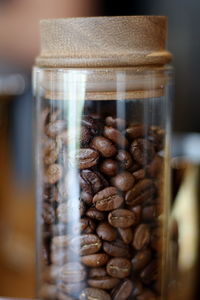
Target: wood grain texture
[{"x": 120, "y": 41}]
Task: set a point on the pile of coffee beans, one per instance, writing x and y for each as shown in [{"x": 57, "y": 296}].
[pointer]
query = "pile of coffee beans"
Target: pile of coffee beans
[{"x": 102, "y": 202}]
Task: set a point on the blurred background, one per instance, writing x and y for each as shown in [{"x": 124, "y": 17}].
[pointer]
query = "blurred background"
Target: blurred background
[{"x": 19, "y": 44}]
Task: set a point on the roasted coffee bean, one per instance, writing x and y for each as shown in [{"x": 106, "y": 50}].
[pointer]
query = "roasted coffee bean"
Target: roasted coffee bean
[
  {"x": 50, "y": 156},
  {"x": 50, "y": 193},
  {"x": 53, "y": 173},
  {"x": 60, "y": 242},
  {"x": 124, "y": 159},
  {"x": 109, "y": 167},
  {"x": 97, "y": 272},
  {"x": 105, "y": 283},
  {"x": 86, "y": 225},
  {"x": 138, "y": 213},
  {"x": 149, "y": 213},
  {"x": 116, "y": 248},
  {"x": 48, "y": 213},
  {"x": 53, "y": 129},
  {"x": 72, "y": 288},
  {"x": 90, "y": 123},
  {"x": 137, "y": 288},
  {"x": 142, "y": 151},
  {"x": 155, "y": 167},
  {"x": 106, "y": 232},
  {"x": 94, "y": 294},
  {"x": 87, "y": 158},
  {"x": 86, "y": 244},
  {"x": 94, "y": 179},
  {"x": 107, "y": 199},
  {"x": 156, "y": 235},
  {"x": 86, "y": 197},
  {"x": 142, "y": 191},
  {"x": 115, "y": 122},
  {"x": 136, "y": 131},
  {"x": 72, "y": 272},
  {"x": 85, "y": 136},
  {"x": 146, "y": 295},
  {"x": 121, "y": 218},
  {"x": 104, "y": 146},
  {"x": 123, "y": 291},
  {"x": 95, "y": 214},
  {"x": 139, "y": 174},
  {"x": 126, "y": 234},
  {"x": 156, "y": 135},
  {"x": 142, "y": 236},
  {"x": 141, "y": 259},
  {"x": 116, "y": 136},
  {"x": 95, "y": 260},
  {"x": 119, "y": 267},
  {"x": 124, "y": 181},
  {"x": 64, "y": 210}
]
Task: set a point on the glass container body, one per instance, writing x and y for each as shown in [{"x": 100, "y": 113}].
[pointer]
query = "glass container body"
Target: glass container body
[{"x": 102, "y": 166}]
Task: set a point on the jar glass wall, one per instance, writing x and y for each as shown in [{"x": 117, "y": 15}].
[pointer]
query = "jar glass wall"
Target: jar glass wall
[{"x": 102, "y": 165}]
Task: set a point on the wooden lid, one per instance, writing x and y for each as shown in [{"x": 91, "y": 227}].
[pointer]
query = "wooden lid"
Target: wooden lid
[{"x": 121, "y": 41}]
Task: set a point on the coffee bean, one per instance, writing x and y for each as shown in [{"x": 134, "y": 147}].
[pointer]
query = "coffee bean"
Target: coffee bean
[
  {"x": 139, "y": 174},
  {"x": 107, "y": 199},
  {"x": 124, "y": 181},
  {"x": 94, "y": 294},
  {"x": 124, "y": 159},
  {"x": 136, "y": 131},
  {"x": 64, "y": 209},
  {"x": 53, "y": 173},
  {"x": 85, "y": 136},
  {"x": 85, "y": 244},
  {"x": 86, "y": 197},
  {"x": 141, "y": 236},
  {"x": 119, "y": 267},
  {"x": 61, "y": 241},
  {"x": 91, "y": 124},
  {"x": 141, "y": 191},
  {"x": 138, "y": 288},
  {"x": 146, "y": 295},
  {"x": 116, "y": 248},
  {"x": 126, "y": 234},
  {"x": 93, "y": 180},
  {"x": 156, "y": 135},
  {"x": 97, "y": 272},
  {"x": 104, "y": 146},
  {"x": 138, "y": 213},
  {"x": 105, "y": 283},
  {"x": 123, "y": 291},
  {"x": 50, "y": 274},
  {"x": 142, "y": 151},
  {"x": 141, "y": 259},
  {"x": 95, "y": 214},
  {"x": 106, "y": 232},
  {"x": 116, "y": 136},
  {"x": 156, "y": 238},
  {"x": 48, "y": 213},
  {"x": 115, "y": 122},
  {"x": 53, "y": 129},
  {"x": 121, "y": 218},
  {"x": 95, "y": 260},
  {"x": 87, "y": 158},
  {"x": 155, "y": 167},
  {"x": 86, "y": 226},
  {"x": 50, "y": 156},
  {"x": 149, "y": 213},
  {"x": 72, "y": 272},
  {"x": 109, "y": 167}
]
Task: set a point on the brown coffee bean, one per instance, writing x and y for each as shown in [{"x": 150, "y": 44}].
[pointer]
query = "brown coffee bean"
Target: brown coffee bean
[
  {"x": 142, "y": 151},
  {"x": 119, "y": 267},
  {"x": 87, "y": 158},
  {"x": 156, "y": 135},
  {"x": 72, "y": 288},
  {"x": 50, "y": 156},
  {"x": 156, "y": 238},
  {"x": 141, "y": 192},
  {"x": 124, "y": 181},
  {"x": 64, "y": 210},
  {"x": 50, "y": 193},
  {"x": 60, "y": 242},
  {"x": 104, "y": 146},
  {"x": 125, "y": 159},
  {"x": 95, "y": 214},
  {"x": 136, "y": 131},
  {"x": 93, "y": 179},
  {"x": 141, "y": 259},
  {"x": 116, "y": 136},
  {"x": 149, "y": 213},
  {"x": 106, "y": 232},
  {"x": 121, "y": 218},
  {"x": 126, "y": 234},
  {"x": 85, "y": 136},
  {"x": 54, "y": 128},
  {"x": 85, "y": 244},
  {"x": 109, "y": 167},
  {"x": 116, "y": 248},
  {"x": 50, "y": 273},
  {"x": 115, "y": 122},
  {"x": 94, "y": 294},
  {"x": 123, "y": 291},
  {"x": 86, "y": 225},
  {"x": 105, "y": 283},
  {"x": 155, "y": 167},
  {"x": 139, "y": 174},
  {"x": 141, "y": 236},
  {"x": 48, "y": 213},
  {"x": 146, "y": 295},
  {"x": 86, "y": 197},
  {"x": 137, "y": 288},
  {"x": 138, "y": 213},
  {"x": 95, "y": 260},
  {"x": 72, "y": 272},
  {"x": 97, "y": 272},
  {"x": 107, "y": 199},
  {"x": 53, "y": 173}
]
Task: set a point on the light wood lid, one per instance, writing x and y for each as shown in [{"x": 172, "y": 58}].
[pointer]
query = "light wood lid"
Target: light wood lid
[{"x": 121, "y": 41}]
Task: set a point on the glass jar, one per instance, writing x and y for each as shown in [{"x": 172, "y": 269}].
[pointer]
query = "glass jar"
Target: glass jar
[{"x": 102, "y": 158}]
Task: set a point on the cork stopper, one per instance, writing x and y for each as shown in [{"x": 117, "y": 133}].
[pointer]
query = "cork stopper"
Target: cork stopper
[{"x": 121, "y": 41}]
